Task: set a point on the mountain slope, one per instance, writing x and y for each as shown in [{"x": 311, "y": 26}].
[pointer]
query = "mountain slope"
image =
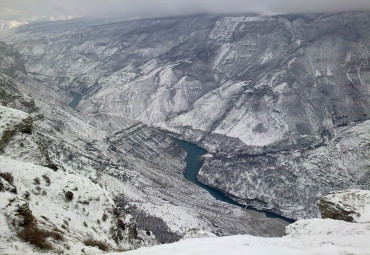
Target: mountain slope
[
  {"x": 245, "y": 87},
  {"x": 141, "y": 167}
]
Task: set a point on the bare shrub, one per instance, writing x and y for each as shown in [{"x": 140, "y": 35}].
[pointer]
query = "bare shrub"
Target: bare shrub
[
  {"x": 8, "y": 177},
  {"x": 32, "y": 233},
  {"x": 47, "y": 179},
  {"x": 36, "y": 181},
  {"x": 69, "y": 195},
  {"x": 95, "y": 243}
]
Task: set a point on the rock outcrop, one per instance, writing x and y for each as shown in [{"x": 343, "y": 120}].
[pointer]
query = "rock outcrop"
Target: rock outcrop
[{"x": 347, "y": 205}]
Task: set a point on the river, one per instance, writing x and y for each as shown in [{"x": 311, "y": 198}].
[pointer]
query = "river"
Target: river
[
  {"x": 194, "y": 162},
  {"x": 76, "y": 99}
]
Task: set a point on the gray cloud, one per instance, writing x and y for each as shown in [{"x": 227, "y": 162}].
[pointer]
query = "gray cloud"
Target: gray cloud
[{"x": 17, "y": 9}]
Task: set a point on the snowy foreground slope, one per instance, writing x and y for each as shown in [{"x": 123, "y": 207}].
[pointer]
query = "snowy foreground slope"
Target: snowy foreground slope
[
  {"x": 314, "y": 236},
  {"x": 69, "y": 222},
  {"x": 306, "y": 237},
  {"x": 45, "y": 209}
]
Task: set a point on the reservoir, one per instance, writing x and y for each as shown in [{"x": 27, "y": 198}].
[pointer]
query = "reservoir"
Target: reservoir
[{"x": 194, "y": 162}]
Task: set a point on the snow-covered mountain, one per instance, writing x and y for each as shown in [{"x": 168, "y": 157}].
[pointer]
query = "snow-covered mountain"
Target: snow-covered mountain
[
  {"x": 137, "y": 167},
  {"x": 271, "y": 97},
  {"x": 281, "y": 103}
]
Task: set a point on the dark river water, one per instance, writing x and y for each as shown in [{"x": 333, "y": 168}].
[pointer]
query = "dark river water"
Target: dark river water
[
  {"x": 194, "y": 163},
  {"x": 76, "y": 99}
]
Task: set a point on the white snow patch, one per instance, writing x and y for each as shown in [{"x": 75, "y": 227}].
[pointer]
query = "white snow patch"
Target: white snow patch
[
  {"x": 328, "y": 72},
  {"x": 266, "y": 57}
]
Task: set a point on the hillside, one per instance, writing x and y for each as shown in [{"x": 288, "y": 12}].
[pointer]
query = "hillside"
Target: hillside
[{"x": 273, "y": 92}]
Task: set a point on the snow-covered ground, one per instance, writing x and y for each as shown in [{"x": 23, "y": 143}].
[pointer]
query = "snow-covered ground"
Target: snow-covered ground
[
  {"x": 10, "y": 117},
  {"x": 305, "y": 237},
  {"x": 89, "y": 214}
]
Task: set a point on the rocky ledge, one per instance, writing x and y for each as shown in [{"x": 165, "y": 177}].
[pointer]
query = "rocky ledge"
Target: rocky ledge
[{"x": 348, "y": 205}]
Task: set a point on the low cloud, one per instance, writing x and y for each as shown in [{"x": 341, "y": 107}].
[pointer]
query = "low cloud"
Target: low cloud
[{"x": 18, "y": 9}]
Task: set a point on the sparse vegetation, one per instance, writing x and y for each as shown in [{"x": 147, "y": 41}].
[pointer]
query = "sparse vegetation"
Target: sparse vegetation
[
  {"x": 36, "y": 181},
  {"x": 44, "y": 151},
  {"x": 94, "y": 243},
  {"x": 47, "y": 179},
  {"x": 26, "y": 195},
  {"x": 32, "y": 233},
  {"x": 104, "y": 217},
  {"x": 24, "y": 127},
  {"x": 155, "y": 225},
  {"x": 69, "y": 195},
  {"x": 52, "y": 166},
  {"x": 8, "y": 177}
]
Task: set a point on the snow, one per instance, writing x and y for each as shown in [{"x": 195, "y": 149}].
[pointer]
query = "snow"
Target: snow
[
  {"x": 329, "y": 72},
  {"x": 78, "y": 219},
  {"x": 10, "y": 117},
  {"x": 305, "y": 237},
  {"x": 266, "y": 57},
  {"x": 225, "y": 27}
]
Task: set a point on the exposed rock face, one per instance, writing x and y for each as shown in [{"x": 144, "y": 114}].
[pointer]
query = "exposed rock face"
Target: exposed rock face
[
  {"x": 282, "y": 102},
  {"x": 347, "y": 205}
]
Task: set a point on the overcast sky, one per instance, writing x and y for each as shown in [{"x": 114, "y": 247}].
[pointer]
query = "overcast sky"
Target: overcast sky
[{"x": 18, "y": 9}]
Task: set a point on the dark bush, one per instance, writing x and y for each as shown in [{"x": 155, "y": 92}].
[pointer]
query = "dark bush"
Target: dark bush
[
  {"x": 14, "y": 190},
  {"x": 25, "y": 212},
  {"x": 94, "y": 243},
  {"x": 36, "y": 181},
  {"x": 105, "y": 217},
  {"x": 52, "y": 166},
  {"x": 32, "y": 233},
  {"x": 69, "y": 195},
  {"x": 121, "y": 224},
  {"x": 47, "y": 179},
  {"x": 8, "y": 177},
  {"x": 35, "y": 236},
  {"x": 26, "y": 195}
]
